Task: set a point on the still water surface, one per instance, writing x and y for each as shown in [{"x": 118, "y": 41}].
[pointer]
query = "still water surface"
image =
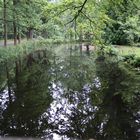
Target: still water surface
[{"x": 69, "y": 94}]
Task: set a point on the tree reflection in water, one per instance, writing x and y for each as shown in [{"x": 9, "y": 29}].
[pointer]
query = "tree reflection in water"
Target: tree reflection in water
[{"x": 75, "y": 97}]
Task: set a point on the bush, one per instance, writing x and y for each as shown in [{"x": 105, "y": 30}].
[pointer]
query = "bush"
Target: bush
[
  {"x": 128, "y": 58},
  {"x": 136, "y": 62},
  {"x": 132, "y": 60}
]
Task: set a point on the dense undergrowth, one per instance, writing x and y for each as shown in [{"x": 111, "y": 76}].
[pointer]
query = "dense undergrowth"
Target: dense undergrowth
[{"x": 12, "y": 53}]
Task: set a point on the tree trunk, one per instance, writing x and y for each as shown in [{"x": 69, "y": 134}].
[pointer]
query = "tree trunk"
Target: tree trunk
[
  {"x": 19, "y": 36},
  {"x": 5, "y": 22},
  {"x": 14, "y": 22},
  {"x": 15, "y": 33},
  {"x": 75, "y": 28},
  {"x": 30, "y": 33}
]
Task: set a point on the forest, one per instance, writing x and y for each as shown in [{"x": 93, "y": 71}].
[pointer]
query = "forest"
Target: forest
[
  {"x": 70, "y": 69},
  {"x": 99, "y": 22}
]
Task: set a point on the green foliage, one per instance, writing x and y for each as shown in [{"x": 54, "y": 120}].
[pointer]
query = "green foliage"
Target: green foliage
[
  {"x": 132, "y": 60},
  {"x": 99, "y": 22},
  {"x": 111, "y": 51},
  {"x": 137, "y": 62},
  {"x": 124, "y": 27},
  {"x": 26, "y": 15},
  {"x": 12, "y": 53},
  {"x": 128, "y": 58},
  {"x": 83, "y": 27}
]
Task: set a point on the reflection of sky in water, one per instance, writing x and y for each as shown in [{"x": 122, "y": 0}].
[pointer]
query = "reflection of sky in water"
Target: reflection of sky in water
[
  {"x": 4, "y": 99},
  {"x": 61, "y": 109}
]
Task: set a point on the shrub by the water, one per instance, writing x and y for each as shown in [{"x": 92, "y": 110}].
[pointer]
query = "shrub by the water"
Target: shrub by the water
[
  {"x": 137, "y": 62},
  {"x": 132, "y": 60}
]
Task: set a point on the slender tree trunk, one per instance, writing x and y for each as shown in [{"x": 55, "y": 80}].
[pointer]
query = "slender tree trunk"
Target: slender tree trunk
[
  {"x": 14, "y": 22},
  {"x": 19, "y": 39},
  {"x": 15, "y": 33},
  {"x": 30, "y": 34},
  {"x": 19, "y": 36},
  {"x": 81, "y": 49},
  {"x": 5, "y": 22},
  {"x": 75, "y": 27},
  {"x": 87, "y": 49}
]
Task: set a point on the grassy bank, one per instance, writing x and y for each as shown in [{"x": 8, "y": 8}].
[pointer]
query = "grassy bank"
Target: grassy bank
[{"x": 127, "y": 50}]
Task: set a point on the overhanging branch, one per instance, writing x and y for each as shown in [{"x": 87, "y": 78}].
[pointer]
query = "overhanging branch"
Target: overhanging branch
[{"x": 79, "y": 11}]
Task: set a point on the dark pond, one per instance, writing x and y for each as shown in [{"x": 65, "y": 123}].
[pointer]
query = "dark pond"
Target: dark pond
[{"x": 69, "y": 94}]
